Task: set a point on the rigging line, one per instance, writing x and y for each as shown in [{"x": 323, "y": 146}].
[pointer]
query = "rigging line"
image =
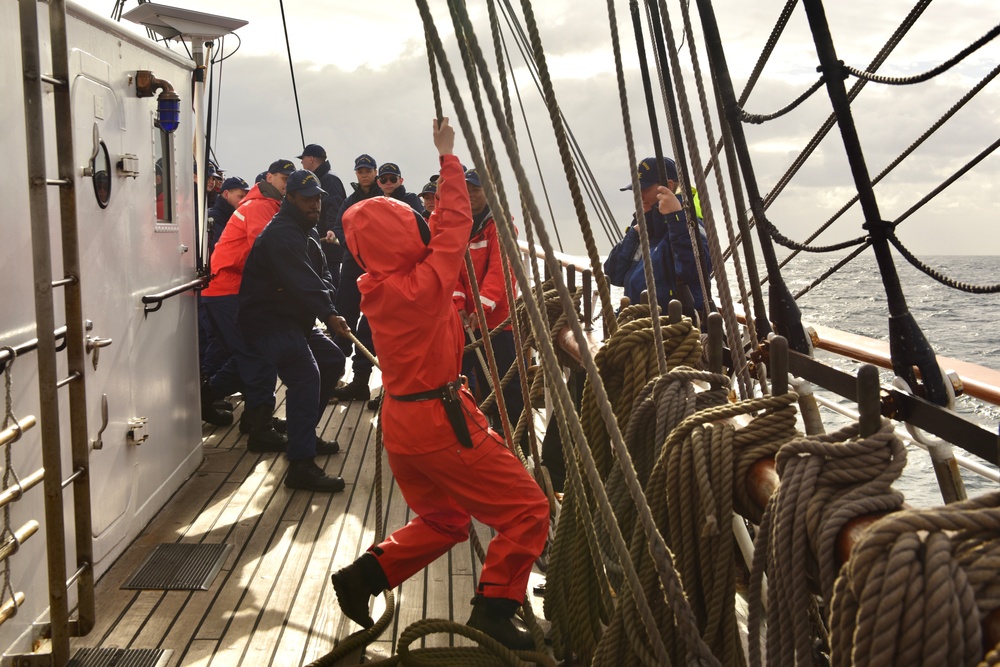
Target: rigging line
[
  {"x": 291, "y": 68},
  {"x": 856, "y": 89},
  {"x": 558, "y": 123},
  {"x": 711, "y": 229},
  {"x": 218, "y": 95},
  {"x": 930, "y": 74},
  {"x": 524, "y": 117},
  {"x": 912, "y": 147},
  {"x": 910, "y": 211},
  {"x": 831, "y": 120},
  {"x": 909, "y": 349},
  {"x": 594, "y": 192},
  {"x": 760, "y": 119},
  {"x": 829, "y": 272},
  {"x": 765, "y": 55},
  {"x": 640, "y": 214},
  {"x": 662, "y": 558},
  {"x": 671, "y": 76}
]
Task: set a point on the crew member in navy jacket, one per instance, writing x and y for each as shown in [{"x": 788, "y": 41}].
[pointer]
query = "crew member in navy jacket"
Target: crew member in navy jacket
[
  {"x": 286, "y": 287},
  {"x": 666, "y": 224},
  {"x": 314, "y": 159}
]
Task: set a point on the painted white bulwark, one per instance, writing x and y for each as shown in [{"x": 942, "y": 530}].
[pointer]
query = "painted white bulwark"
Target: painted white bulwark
[{"x": 151, "y": 368}]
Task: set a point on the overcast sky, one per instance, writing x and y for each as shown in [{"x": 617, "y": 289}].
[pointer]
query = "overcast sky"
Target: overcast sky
[{"x": 364, "y": 86}]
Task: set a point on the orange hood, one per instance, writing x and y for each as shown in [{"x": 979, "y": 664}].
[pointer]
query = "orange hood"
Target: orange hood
[{"x": 383, "y": 235}]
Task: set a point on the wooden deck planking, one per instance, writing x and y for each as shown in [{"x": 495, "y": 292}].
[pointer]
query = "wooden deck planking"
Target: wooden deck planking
[{"x": 272, "y": 603}]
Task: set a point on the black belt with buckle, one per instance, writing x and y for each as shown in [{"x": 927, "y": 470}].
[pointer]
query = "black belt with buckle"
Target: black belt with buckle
[{"x": 448, "y": 395}]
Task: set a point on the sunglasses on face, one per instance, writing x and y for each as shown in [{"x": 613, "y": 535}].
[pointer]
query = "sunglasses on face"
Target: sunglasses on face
[{"x": 387, "y": 178}]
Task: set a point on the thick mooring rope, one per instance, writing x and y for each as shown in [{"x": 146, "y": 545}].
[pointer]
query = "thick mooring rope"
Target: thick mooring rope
[
  {"x": 826, "y": 481},
  {"x": 917, "y": 587}
]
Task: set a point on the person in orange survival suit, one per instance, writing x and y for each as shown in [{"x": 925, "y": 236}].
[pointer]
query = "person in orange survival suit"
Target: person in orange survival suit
[{"x": 450, "y": 466}]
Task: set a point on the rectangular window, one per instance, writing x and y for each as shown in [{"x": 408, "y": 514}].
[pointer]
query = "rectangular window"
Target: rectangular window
[{"x": 163, "y": 168}]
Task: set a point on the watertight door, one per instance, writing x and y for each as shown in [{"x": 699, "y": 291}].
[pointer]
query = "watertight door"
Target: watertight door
[{"x": 105, "y": 241}]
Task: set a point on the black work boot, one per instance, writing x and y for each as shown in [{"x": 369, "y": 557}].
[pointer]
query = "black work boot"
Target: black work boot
[
  {"x": 495, "y": 617},
  {"x": 326, "y": 447},
  {"x": 263, "y": 437},
  {"x": 249, "y": 417},
  {"x": 356, "y": 584},
  {"x": 356, "y": 390},
  {"x": 306, "y": 475},
  {"x": 209, "y": 413}
]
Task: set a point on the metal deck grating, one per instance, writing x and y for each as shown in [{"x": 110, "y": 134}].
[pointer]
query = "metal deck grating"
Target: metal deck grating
[
  {"x": 116, "y": 657},
  {"x": 180, "y": 567}
]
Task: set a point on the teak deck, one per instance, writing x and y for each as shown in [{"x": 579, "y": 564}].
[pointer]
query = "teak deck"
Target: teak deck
[{"x": 272, "y": 603}]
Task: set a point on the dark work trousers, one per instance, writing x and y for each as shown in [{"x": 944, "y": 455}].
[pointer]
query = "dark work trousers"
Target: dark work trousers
[
  {"x": 349, "y": 307},
  {"x": 348, "y": 300},
  {"x": 309, "y": 364},
  {"x": 506, "y": 356},
  {"x": 246, "y": 370},
  {"x": 213, "y": 353},
  {"x": 334, "y": 255}
]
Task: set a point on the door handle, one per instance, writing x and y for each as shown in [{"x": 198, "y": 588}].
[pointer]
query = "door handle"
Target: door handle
[
  {"x": 94, "y": 344},
  {"x": 99, "y": 442}
]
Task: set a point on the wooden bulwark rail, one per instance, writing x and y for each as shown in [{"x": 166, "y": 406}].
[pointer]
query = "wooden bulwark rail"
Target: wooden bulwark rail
[
  {"x": 573, "y": 265},
  {"x": 13, "y": 433}
]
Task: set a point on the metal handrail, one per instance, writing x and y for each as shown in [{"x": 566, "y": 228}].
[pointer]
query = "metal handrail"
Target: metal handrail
[
  {"x": 30, "y": 346},
  {"x": 156, "y": 300}
]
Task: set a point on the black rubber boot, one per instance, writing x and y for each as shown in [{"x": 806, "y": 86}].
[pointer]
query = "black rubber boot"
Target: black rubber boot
[
  {"x": 263, "y": 437},
  {"x": 209, "y": 413},
  {"x": 308, "y": 476},
  {"x": 356, "y": 584},
  {"x": 357, "y": 390},
  {"x": 495, "y": 617},
  {"x": 326, "y": 447}
]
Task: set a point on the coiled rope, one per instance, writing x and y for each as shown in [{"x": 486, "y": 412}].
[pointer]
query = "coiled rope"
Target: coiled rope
[
  {"x": 826, "y": 481},
  {"x": 917, "y": 588}
]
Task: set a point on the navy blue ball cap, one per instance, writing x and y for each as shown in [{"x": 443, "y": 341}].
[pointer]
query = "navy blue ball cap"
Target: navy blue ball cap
[
  {"x": 313, "y": 150},
  {"x": 234, "y": 183},
  {"x": 648, "y": 175},
  {"x": 305, "y": 183},
  {"x": 472, "y": 178},
  {"x": 281, "y": 167},
  {"x": 364, "y": 161},
  {"x": 260, "y": 177},
  {"x": 430, "y": 188},
  {"x": 389, "y": 168}
]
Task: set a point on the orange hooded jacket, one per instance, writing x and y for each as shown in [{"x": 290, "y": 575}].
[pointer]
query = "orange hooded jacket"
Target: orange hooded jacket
[
  {"x": 232, "y": 248},
  {"x": 406, "y": 293}
]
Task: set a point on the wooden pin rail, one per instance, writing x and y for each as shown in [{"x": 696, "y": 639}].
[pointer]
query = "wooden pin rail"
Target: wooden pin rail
[
  {"x": 9, "y": 608},
  {"x": 10, "y": 547},
  {"x": 16, "y": 491},
  {"x": 13, "y": 433}
]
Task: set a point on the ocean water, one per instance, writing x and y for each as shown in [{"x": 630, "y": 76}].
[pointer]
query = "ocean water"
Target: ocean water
[{"x": 957, "y": 324}]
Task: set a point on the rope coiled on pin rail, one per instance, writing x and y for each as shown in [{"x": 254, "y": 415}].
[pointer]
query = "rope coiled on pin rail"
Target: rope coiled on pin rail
[
  {"x": 826, "y": 481},
  {"x": 917, "y": 588},
  {"x": 692, "y": 492},
  {"x": 626, "y": 362}
]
